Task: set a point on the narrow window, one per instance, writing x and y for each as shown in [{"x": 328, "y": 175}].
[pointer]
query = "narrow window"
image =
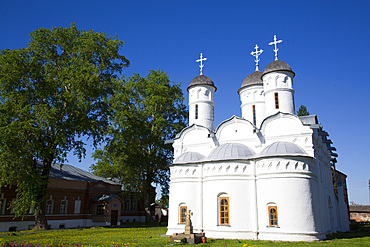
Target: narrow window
[
  {"x": 224, "y": 210},
  {"x": 183, "y": 210},
  {"x": 49, "y": 206},
  {"x": 254, "y": 114},
  {"x": 276, "y": 101},
  {"x": 128, "y": 204},
  {"x": 196, "y": 111},
  {"x": 213, "y": 113},
  {"x": 77, "y": 209},
  {"x": 63, "y": 206},
  {"x": 99, "y": 209},
  {"x": 2, "y": 204},
  {"x": 134, "y": 205},
  {"x": 273, "y": 220}
]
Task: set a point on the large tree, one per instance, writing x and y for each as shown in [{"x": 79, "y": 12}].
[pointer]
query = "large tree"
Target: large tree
[
  {"x": 147, "y": 112},
  {"x": 52, "y": 92}
]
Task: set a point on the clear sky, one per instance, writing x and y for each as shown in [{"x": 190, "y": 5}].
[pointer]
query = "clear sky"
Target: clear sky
[{"x": 325, "y": 42}]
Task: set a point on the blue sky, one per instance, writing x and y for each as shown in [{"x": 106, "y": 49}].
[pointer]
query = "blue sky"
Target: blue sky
[{"x": 325, "y": 42}]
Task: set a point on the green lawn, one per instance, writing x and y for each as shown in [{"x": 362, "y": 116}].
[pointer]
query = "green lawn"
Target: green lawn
[{"x": 153, "y": 236}]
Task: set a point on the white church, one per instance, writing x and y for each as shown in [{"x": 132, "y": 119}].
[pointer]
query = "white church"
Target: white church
[{"x": 266, "y": 175}]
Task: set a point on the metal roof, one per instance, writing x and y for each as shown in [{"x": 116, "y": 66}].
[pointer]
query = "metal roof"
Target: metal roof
[
  {"x": 252, "y": 79},
  {"x": 277, "y": 65},
  {"x": 69, "y": 172},
  {"x": 230, "y": 151},
  {"x": 201, "y": 80},
  {"x": 189, "y": 157},
  {"x": 283, "y": 149}
]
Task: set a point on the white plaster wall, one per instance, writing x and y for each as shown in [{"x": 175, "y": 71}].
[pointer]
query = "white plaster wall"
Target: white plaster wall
[
  {"x": 202, "y": 95},
  {"x": 185, "y": 189},
  {"x": 236, "y": 130},
  {"x": 233, "y": 180},
  {"x": 281, "y": 83},
  {"x": 286, "y": 184},
  {"x": 249, "y": 96}
]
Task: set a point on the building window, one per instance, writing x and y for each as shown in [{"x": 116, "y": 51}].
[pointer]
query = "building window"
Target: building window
[
  {"x": 273, "y": 220},
  {"x": 49, "y": 206},
  {"x": 2, "y": 204},
  {"x": 213, "y": 113},
  {"x": 77, "y": 209},
  {"x": 99, "y": 209},
  {"x": 14, "y": 202},
  {"x": 196, "y": 111},
  {"x": 224, "y": 210},
  {"x": 254, "y": 114},
  {"x": 63, "y": 206},
  {"x": 183, "y": 210},
  {"x": 134, "y": 205},
  {"x": 128, "y": 204},
  {"x": 276, "y": 101}
]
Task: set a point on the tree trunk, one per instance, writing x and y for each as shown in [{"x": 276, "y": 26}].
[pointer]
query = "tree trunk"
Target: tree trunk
[
  {"x": 40, "y": 208},
  {"x": 146, "y": 194},
  {"x": 40, "y": 219}
]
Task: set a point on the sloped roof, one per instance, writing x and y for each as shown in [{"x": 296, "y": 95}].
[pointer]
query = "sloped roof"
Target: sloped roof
[{"x": 69, "y": 172}]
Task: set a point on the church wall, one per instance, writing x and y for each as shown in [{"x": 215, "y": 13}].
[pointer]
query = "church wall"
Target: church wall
[
  {"x": 202, "y": 96},
  {"x": 249, "y": 96},
  {"x": 278, "y": 82},
  {"x": 236, "y": 130},
  {"x": 286, "y": 183},
  {"x": 234, "y": 180},
  {"x": 185, "y": 190}
]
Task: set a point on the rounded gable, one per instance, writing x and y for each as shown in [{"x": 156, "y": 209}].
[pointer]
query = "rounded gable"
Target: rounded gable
[
  {"x": 201, "y": 80},
  {"x": 282, "y": 149},
  {"x": 189, "y": 157},
  {"x": 231, "y": 151}
]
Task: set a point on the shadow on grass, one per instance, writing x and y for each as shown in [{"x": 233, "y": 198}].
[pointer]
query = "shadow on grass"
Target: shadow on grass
[{"x": 358, "y": 230}]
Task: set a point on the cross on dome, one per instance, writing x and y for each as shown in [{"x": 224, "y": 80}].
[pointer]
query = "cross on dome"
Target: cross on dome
[
  {"x": 275, "y": 42},
  {"x": 256, "y": 55},
  {"x": 201, "y": 62}
]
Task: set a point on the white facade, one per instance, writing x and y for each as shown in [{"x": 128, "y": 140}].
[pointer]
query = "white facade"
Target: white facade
[{"x": 271, "y": 180}]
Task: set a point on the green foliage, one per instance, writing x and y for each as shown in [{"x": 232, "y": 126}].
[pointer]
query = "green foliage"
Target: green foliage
[
  {"x": 302, "y": 111},
  {"x": 53, "y": 92},
  {"x": 148, "y": 111}
]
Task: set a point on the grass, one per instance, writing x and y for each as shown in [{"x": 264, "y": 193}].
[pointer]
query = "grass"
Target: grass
[{"x": 153, "y": 236}]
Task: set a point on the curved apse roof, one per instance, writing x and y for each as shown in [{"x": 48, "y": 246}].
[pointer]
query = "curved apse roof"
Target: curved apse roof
[
  {"x": 283, "y": 149},
  {"x": 189, "y": 157},
  {"x": 230, "y": 151},
  {"x": 201, "y": 80}
]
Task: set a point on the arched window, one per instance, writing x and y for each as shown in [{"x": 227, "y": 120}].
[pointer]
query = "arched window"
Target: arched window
[
  {"x": 273, "y": 217},
  {"x": 196, "y": 111},
  {"x": 223, "y": 204},
  {"x": 276, "y": 101},
  {"x": 183, "y": 210}
]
